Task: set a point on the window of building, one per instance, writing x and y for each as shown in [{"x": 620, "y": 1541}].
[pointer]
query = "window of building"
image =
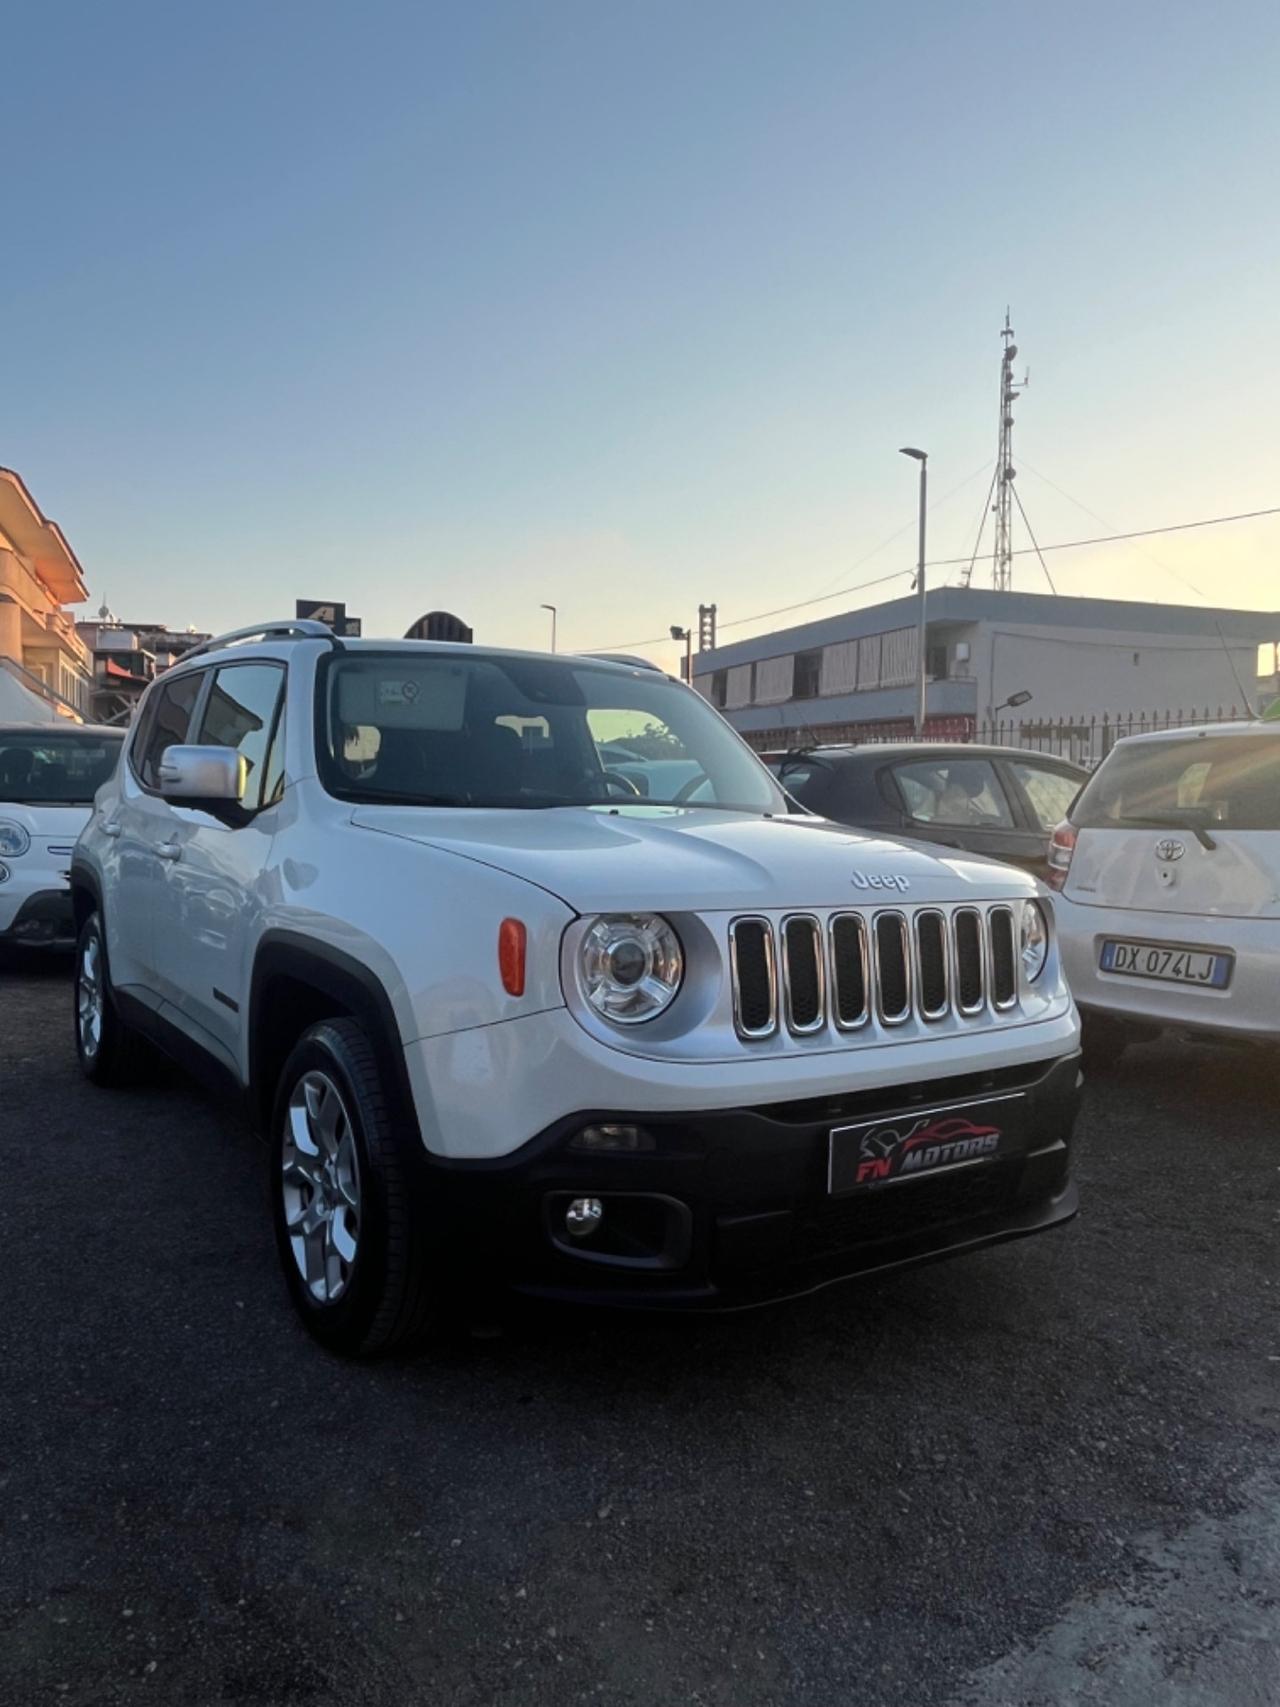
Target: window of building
[
  {"x": 936, "y": 663},
  {"x": 241, "y": 712},
  {"x": 808, "y": 676},
  {"x": 719, "y": 686}
]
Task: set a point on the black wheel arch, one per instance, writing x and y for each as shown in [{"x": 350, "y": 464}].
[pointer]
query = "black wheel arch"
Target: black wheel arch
[{"x": 296, "y": 983}]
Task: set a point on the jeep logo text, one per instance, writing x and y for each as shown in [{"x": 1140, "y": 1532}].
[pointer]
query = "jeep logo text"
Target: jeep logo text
[{"x": 863, "y": 880}]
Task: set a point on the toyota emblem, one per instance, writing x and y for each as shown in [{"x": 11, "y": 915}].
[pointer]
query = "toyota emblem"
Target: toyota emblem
[{"x": 1169, "y": 849}]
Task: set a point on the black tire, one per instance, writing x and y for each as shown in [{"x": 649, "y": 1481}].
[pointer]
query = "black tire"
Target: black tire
[
  {"x": 392, "y": 1290},
  {"x": 116, "y": 1055}
]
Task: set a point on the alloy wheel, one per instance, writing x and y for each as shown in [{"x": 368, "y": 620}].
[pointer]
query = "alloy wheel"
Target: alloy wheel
[
  {"x": 321, "y": 1186},
  {"x": 89, "y": 996}
]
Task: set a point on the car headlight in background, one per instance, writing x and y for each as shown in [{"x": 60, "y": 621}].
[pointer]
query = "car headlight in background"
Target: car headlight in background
[
  {"x": 1034, "y": 940},
  {"x": 14, "y": 840},
  {"x": 630, "y": 965}
]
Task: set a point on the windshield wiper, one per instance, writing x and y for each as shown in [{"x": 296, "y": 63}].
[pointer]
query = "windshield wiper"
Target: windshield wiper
[{"x": 1183, "y": 818}]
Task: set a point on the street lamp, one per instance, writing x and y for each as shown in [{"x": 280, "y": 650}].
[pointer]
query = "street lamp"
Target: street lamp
[
  {"x": 685, "y": 634},
  {"x": 922, "y": 457},
  {"x": 552, "y": 609}
]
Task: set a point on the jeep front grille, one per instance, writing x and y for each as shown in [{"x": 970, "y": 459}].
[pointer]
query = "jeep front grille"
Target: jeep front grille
[{"x": 892, "y": 966}]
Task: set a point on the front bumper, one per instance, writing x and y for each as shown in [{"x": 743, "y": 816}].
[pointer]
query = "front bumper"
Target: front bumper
[
  {"x": 43, "y": 918},
  {"x": 732, "y": 1207}
]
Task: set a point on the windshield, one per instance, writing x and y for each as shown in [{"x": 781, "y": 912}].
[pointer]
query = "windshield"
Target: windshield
[
  {"x": 55, "y": 768},
  {"x": 417, "y": 728},
  {"x": 1227, "y": 780}
]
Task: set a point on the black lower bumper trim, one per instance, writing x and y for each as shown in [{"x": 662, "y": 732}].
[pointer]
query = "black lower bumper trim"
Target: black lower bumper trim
[
  {"x": 44, "y": 920},
  {"x": 759, "y": 1221}
]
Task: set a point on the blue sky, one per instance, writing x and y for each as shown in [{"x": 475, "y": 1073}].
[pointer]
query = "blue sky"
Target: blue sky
[{"x": 626, "y": 307}]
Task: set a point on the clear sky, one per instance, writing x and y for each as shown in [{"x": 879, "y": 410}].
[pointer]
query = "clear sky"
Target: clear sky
[{"x": 628, "y": 306}]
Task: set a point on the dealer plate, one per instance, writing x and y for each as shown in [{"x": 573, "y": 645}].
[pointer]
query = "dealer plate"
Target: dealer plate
[
  {"x": 899, "y": 1148},
  {"x": 1168, "y": 965}
]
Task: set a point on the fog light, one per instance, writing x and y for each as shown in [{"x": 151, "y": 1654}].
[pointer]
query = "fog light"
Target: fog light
[
  {"x": 599, "y": 1139},
  {"x": 583, "y": 1216}
]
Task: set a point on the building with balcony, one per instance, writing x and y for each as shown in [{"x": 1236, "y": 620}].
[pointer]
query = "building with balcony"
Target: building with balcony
[
  {"x": 852, "y": 677},
  {"x": 40, "y": 578}
]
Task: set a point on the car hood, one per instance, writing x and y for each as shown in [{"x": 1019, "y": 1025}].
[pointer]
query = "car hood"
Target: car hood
[{"x": 671, "y": 858}]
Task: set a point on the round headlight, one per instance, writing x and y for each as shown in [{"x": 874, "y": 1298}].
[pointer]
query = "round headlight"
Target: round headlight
[
  {"x": 1034, "y": 946},
  {"x": 14, "y": 840},
  {"x": 631, "y": 965}
]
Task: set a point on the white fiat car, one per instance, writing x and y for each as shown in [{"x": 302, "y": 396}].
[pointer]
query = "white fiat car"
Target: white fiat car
[
  {"x": 1169, "y": 872},
  {"x": 505, "y": 1020},
  {"x": 49, "y": 774}
]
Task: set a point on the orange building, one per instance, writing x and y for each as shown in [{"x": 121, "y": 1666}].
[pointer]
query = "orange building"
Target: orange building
[{"x": 39, "y": 579}]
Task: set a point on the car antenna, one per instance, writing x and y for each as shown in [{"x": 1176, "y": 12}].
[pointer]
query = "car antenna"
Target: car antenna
[{"x": 1246, "y": 701}]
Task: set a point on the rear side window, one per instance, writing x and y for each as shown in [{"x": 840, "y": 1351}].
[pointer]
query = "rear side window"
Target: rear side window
[
  {"x": 1049, "y": 793},
  {"x": 954, "y": 791},
  {"x": 240, "y": 712},
  {"x": 810, "y": 782},
  {"x": 167, "y": 724},
  {"x": 1230, "y": 780}
]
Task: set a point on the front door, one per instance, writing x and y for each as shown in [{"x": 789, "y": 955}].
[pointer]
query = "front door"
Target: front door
[{"x": 215, "y": 875}]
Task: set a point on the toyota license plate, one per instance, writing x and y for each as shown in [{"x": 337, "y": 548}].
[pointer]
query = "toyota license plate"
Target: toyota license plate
[
  {"x": 1168, "y": 965},
  {"x": 902, "y": 1147}
]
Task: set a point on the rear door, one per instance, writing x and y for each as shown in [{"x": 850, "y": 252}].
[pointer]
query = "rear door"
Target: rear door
[
  {"x": 1186, "y": 823},
  {"x": 960, "y": 801},
  {"x": 1044, "y": 793}
]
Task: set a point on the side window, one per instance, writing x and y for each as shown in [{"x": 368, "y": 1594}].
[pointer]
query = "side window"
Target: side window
[
  {"x": 240, "y": 712},
  {"x": 1050, "y": 793},
  {"x": 167, "y": 724},
  {"x": 954, "y": 791}
]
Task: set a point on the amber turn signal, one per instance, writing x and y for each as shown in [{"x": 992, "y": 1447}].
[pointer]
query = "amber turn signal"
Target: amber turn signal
[{"x": 512, "y": 939}]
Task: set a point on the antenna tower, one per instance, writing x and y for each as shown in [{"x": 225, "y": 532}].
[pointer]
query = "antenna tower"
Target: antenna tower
[{"x": 1006, "y": 473}]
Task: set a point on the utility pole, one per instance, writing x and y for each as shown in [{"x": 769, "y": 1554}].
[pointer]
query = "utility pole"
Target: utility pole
[
  {"x": 554, "y": 614},
  {"x": 1002, "y": 558},
  {"x": 922, "y": 457},
  {"x": 685, "y": 634}
]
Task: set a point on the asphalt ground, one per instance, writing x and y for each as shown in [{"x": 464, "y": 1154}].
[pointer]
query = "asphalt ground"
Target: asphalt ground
[{"x": 1044, "y": 1474}]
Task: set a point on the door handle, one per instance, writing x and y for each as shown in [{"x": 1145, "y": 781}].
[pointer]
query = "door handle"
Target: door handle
[
  {"x": 169, "y": 850},
  {"x": 111, "y": 826}
]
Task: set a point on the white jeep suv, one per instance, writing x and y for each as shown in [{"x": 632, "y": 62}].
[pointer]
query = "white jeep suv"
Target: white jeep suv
[{"x": 506, "y": 1018}]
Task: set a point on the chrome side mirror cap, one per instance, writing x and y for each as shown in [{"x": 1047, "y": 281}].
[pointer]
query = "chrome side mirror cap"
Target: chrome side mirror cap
[{"x": 210, "y": 777}]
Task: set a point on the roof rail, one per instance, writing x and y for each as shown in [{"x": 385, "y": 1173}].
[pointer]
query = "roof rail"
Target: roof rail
[
  {"x": 302, "y": 628},
  {"x": 624, "y": 658}
]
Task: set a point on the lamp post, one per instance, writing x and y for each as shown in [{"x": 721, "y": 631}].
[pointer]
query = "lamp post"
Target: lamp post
[
  {"x": 552, "y": 609},
  {"x": 922, "y": 457},
  {"x": 685, "y": 634}
]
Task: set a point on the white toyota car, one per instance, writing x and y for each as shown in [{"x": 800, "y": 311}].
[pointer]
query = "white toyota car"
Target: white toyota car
[
  {"x": 1169, "y": 876},
  {"x": 504, "y": 1018},
  {"x": 49, "y": 774}
]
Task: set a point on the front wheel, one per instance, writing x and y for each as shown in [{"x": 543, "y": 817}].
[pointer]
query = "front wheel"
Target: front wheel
[
  {"x": 110, "y": 1052},
  {"x": 349, "y": 1198}
]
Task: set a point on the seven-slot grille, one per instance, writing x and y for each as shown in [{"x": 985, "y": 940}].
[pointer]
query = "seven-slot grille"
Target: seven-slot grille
[{"x": 891, "y": 965}]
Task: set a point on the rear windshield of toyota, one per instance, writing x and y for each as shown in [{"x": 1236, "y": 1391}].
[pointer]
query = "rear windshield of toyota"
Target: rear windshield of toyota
[{"x": 1232, "y": 781}]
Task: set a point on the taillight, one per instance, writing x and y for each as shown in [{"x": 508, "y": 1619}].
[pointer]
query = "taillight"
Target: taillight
[
  {"x": 512, "y": 938},
  {"x": 1062, "y": 844}
]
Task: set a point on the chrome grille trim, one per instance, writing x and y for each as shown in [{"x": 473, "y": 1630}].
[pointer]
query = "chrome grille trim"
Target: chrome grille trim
[
  {"x": 931, "y": 915},
  {"x": 979, "y": 939},
  {"x": 774, "y": 983},
  {"x": 864, "y": 1011},
  {"x": 817, "y": 1023},
  {"x": 766, "y": 928},
  {"x": 898, "y": 921},
  {"x": 996, "y": 919}
]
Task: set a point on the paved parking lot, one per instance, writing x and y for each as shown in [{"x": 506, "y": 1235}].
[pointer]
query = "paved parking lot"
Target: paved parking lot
[{"x": 1046, "y": 1474}]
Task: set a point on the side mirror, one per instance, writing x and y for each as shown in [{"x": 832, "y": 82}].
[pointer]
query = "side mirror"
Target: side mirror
[{"x": 212, "y": 778}]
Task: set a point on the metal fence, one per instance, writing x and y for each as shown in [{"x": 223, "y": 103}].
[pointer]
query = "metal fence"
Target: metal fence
[{"x": 1085, "y": 739}]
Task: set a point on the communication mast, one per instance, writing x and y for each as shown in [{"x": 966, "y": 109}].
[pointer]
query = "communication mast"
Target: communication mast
[{"x": 1006, "y": 473}]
